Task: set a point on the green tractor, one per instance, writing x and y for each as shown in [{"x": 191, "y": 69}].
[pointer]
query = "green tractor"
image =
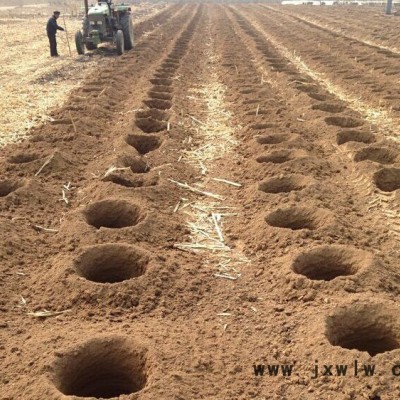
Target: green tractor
[{"x": 105, "y": 22}]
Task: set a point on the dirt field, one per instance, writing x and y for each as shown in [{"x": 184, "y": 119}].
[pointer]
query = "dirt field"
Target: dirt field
[{"x": 223, "y": 198}]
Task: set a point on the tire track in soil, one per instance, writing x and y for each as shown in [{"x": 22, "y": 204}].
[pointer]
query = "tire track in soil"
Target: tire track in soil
[
  {"x": 344, "y": 63},
  {"x": 371, "y": 24},
  {"x": 336, "y": 32},
  {"x": 141, "y": 29}
]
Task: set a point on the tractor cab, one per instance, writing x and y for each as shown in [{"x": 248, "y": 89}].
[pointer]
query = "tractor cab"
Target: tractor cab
[
  {"x": 101, "y": 8},
  {"x": 105, "y": 22},
  {"x": 99, "y": 22}
]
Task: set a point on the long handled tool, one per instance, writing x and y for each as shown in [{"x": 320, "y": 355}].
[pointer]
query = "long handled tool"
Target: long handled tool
[{"x": 66, "y": 33}]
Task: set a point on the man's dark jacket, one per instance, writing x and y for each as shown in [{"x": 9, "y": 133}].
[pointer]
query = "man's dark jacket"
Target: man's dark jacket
[{"x": 52, "y": 26}]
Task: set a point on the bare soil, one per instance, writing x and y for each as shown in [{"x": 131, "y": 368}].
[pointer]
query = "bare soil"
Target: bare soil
[{"x": 224, "y": 195}]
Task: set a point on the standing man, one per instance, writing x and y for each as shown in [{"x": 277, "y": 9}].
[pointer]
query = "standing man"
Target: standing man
[{"x": 52, "y": 28}]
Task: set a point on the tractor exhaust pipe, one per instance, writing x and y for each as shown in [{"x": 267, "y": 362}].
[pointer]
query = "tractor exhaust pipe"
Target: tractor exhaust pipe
[{"x": 86, "y": 7}]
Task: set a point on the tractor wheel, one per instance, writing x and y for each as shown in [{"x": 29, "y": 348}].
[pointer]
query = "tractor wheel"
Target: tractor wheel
[
  {"x": 127, "y": 28},
  {"x": 91, "y": 46},
  {"x": 80, "y": 48},
  {"x": 120, "y": 42}
]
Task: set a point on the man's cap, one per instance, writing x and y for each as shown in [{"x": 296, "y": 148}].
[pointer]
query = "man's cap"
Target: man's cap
[{"x": 56, "y": 12}]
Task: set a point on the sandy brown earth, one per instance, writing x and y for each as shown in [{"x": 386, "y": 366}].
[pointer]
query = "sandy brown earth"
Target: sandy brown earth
[{"x": 222, "y": 198}]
